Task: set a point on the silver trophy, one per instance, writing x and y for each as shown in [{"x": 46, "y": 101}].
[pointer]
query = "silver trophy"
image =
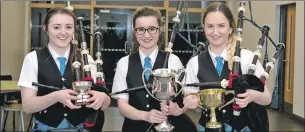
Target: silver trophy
[
  {"x": 164, "y": 88},
  {"x": 81, "y": 87}
]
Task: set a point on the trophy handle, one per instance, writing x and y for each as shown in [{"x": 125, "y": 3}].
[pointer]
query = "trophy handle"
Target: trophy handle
[
  {"x": 181, "y": 89},
  {"x": 197, "y": 94},
  {"x": 180, "y": 78},
  {"x": 145, "y": 86},
  {"x": 200, "y": 104},
  {"x": 229, "y": 102}
]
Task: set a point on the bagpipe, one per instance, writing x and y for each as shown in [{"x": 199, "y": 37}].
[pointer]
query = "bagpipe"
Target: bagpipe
[
  {"x": 168, "y": 50},
  {"x": 165, "y": 83},
  {"x": 165, "y": 80},
  {"x": 99, "y": 84},
  {"x": 176, "y": 21},
  {"x": 253, "y": 115},
  {"x": 83, "y": 80}
]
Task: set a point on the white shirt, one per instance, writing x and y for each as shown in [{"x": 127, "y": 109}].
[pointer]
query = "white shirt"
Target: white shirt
[
  {"x": 192, "y": 66},
  {"x": 29, "y": 71},
  {"x": 119, "y": 81}
]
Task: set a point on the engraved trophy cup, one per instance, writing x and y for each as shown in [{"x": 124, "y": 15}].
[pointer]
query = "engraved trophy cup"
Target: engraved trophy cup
[{"x": 164, "y": 88}]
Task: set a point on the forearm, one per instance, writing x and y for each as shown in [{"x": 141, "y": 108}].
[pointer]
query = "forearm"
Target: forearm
[
  {"x": 129, "y": 111},
  {"x": 264, "y": 98},
  {"x": 38, "y": 103},
  {"x": 106, "y": 103}
]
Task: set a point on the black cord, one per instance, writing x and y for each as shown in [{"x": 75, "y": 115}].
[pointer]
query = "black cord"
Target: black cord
[
  {"x": 250, "y": 10},
  {"x": 187, "y": 41},
  {"x": 253, "y": 23},
  {"x": 260, "y": 28}
]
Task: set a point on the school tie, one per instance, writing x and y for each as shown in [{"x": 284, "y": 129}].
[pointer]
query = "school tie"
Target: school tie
[
  {"x": 147, "y": 64},
  {"x": 219, "y": 64},
  {"x": 62, "y": 65}
]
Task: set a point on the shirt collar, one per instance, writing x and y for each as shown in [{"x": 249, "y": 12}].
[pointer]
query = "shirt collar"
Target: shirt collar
[
  {"x": 213, "y": 55},
  {"x": 55, "y": 55},
  {"x": 152, "y": 56}
]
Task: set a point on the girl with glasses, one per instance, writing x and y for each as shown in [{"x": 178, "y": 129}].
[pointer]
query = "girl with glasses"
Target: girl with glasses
[{"x": 139, "y": 109}]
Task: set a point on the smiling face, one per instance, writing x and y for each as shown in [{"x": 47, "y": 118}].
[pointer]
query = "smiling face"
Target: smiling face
[
  {"x": 217, "y": 28},
  {"x": 147, "y": 31},
  {"x": 60, "y": 30}
]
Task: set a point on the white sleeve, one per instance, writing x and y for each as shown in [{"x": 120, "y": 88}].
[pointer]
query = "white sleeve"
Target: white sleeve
[
  {"x": 174, "y": 62},
  {"x": 29, "y": 71},
  {"x": 246, "y": 60},
  {"x": 191, "y": 74},
  {"x": 119, "y": 81},
  {"x": 92, "y": 68}
]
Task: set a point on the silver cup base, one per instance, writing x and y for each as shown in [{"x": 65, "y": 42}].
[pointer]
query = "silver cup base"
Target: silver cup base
[
  {"x": 164, "y": 126},
  {"x": 82, "y": 101}
]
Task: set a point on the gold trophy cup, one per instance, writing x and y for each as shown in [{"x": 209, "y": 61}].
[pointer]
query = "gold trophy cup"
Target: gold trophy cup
[{"x": 212, "y": 99}]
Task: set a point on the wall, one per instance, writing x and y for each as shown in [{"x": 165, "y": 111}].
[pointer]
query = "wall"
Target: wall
[
  {"x": 267, "y": 12},
  {"x": 12, "y": 37}
]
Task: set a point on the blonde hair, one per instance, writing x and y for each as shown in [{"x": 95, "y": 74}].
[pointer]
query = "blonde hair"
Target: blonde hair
[{"x": 231, "y": 50}]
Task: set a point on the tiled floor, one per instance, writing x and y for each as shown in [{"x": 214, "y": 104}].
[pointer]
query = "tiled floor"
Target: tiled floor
[{"x": 114, "y": 121}]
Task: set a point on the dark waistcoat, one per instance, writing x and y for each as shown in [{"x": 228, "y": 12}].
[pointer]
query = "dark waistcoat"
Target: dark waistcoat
[
  {"x": 207, "y": 73},
  {"x": 141, "y": 100},
  {"x": 49, "y": 74}
]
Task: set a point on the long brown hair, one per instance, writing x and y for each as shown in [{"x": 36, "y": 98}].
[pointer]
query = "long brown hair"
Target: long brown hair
[
  {"x": 224, "y": 9},
  {"x": 50, "y": 14},
  {"x": 147, "y": 11}
]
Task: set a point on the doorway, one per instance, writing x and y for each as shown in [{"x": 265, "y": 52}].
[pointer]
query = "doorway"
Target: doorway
[{"x": 289, "y": 58}]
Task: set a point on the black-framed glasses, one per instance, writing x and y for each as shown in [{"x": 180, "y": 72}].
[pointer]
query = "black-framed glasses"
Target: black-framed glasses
[{"x": 150, "y": 30}]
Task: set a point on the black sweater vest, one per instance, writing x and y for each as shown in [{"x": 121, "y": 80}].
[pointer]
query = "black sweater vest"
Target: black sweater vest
[
  {"x": 207, "y": 73},
  {"x": 254, "y": 116},
  {"x": 141, "y": 100},
  {"x": 49, "y": 74}
]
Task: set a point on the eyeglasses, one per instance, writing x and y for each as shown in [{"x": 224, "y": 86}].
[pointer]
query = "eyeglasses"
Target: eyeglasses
[{"x": 150, "y": 30}]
